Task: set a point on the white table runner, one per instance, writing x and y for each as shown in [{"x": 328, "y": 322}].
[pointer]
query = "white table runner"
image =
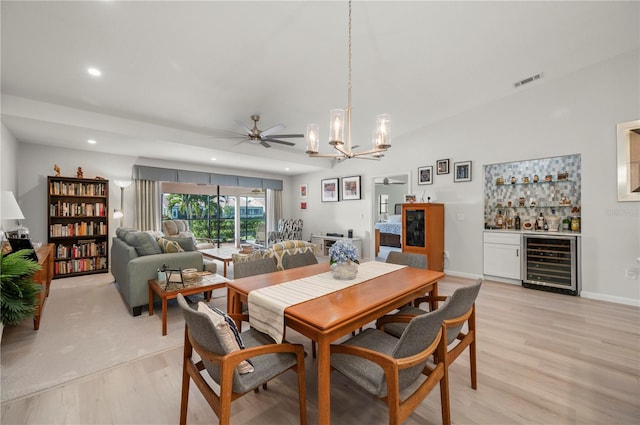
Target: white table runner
[{"x": 267, "y": 305}]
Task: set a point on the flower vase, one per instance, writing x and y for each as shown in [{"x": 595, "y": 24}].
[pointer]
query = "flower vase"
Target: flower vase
[{"x": 344, "y": 271}]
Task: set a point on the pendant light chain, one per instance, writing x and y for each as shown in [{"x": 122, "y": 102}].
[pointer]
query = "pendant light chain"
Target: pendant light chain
[{"x": 349, "y": 87}]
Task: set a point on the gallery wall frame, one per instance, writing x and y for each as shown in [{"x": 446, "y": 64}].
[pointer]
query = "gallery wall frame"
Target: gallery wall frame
[
  {"x": 442, "y": 166},
  {"x": 304, "y": 191},
  {"x": 462, "y": 171},
  {"x": 425, "y": 175},
  {"x": 330, "y": 190},
  {"x": 351, "y": 188}
]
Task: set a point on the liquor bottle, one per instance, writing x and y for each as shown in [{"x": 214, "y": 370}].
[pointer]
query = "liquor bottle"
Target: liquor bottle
[
  {"x": 499, "y": 220},
  {"x": 540, "y": 222},
  {"x": 517, "y": 221}
]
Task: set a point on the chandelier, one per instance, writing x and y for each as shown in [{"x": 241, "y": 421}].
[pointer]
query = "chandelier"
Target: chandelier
[{"x": 339, "y": 119}]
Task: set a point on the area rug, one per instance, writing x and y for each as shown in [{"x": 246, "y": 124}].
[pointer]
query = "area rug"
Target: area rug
[{"x": 85, "y": 328}]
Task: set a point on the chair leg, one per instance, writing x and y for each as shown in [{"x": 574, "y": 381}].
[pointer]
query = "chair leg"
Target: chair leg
[
  {"x": 472, "y": 347},
  {"x": 184, "y": 400},
  {"x": 313, "y": 349}
]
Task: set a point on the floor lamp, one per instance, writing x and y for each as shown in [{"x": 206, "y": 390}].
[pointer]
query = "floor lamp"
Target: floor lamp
[{"x": 122, "y": 184}]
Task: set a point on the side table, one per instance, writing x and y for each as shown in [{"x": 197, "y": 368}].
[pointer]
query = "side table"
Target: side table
[{"x": 208, "y": 284}]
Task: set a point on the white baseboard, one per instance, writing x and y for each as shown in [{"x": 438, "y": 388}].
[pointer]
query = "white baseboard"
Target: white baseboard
[{"x": 610, "y": 298}]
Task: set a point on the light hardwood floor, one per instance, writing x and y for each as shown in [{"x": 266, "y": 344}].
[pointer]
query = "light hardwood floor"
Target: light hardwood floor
[{"x": 543, "y": 358}]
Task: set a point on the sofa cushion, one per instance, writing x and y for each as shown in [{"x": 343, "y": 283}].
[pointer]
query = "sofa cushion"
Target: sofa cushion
[
  {"x": 144, "y": 243},
  {"x": 170, "y": 227},
  {"x": 186, "y": 243},
  {"x": 168, "y": 246},
  {"x": 121, "y": 232},
  {"x": 227, "y": 333}
]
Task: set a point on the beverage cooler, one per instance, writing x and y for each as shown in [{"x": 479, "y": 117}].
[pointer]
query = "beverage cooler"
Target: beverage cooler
[{"x": 552, "y": 263}]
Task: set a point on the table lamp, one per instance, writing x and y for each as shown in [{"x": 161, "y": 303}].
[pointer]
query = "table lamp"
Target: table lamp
[{"x": 9, "y": 210}]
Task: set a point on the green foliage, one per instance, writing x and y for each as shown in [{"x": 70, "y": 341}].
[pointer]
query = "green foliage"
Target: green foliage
[{"x": 18, "y": 292}]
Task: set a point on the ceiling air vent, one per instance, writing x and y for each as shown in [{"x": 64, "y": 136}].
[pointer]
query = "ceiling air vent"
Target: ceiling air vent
[{"x": 527, "y": 80}]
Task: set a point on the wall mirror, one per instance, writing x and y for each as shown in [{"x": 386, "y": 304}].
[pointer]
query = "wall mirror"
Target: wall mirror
[{"x": 628, "y": 141}]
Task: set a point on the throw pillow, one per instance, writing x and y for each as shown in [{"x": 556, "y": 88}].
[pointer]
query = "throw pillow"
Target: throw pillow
[
  {"x": 185, "y": 243},
  {"x": 144, "y": 243},
  {"x": 168, "y": 246},
  {"x": 225, "y": 332},
  {"x": 241, "y": 258},
  {"x": 122, "y": 232}
]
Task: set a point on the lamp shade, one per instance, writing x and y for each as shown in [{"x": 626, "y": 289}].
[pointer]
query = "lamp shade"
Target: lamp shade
[
  {"x": 122, "y": 183},
  {"x": 9, "y": 208}
]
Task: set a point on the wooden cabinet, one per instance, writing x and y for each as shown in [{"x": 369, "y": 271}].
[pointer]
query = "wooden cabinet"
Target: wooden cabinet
[
  {"x": 43, "y": 278},
  {"x": 78, "y": 225},
  {"x": 423, "y": 232}
]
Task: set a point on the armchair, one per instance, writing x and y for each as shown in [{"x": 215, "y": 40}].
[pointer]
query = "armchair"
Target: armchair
[
  {"x": 180, "y": 228},
  {"x": 288, "y": 229}
]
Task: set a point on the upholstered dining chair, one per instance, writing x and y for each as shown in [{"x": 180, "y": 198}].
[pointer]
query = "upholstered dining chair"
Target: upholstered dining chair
[
  {"x": 291, "y": 261},
  {"x": 458, "y": 309},
  {"x": 385, "y": 366},
  {"x": 254, "y": 267},
  {"x": 407, "y": 259},
  {"x": 224, "y": 366}
]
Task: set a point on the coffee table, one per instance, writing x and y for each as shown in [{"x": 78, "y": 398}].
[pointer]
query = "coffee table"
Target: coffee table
[
  {"x": 220, "y": 254},
  {"x": 207, "y": 284}
]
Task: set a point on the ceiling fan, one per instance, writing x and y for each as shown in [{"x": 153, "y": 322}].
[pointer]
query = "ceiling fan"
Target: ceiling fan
[
  {"x": 264, "y": 137},
  {"x": 387, "y": 181}
]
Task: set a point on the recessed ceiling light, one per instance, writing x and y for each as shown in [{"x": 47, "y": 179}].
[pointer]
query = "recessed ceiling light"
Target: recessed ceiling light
[
  {"x": 91, "y": 142},
  {"x": 213, "y": 159},
  {"x": 94, "y": 71},
  {"x": 287, "y": 169}
]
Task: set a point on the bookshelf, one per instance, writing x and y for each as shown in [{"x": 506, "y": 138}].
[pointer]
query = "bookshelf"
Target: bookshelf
[{"x": 78, "y": 220}]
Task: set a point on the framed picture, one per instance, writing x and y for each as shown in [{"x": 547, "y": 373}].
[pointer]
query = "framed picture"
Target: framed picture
[
  {"x": 410, "y": 199},
  {"x": 425, "y": 175},
  {"x": 350, "y": 188},
  {"x": 442, "y": 166},
  {"x": 304, "y": 191},
  {"x": 330, "y": 190},
  {"x": 303, "y": 206},
  {"x": 462, "y": 171}
]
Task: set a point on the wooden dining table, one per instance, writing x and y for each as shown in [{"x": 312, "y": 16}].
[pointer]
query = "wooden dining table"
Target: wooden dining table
[{"x": 330, "y": 317}]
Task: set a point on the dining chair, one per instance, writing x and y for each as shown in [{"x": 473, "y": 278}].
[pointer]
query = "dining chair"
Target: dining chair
[
  {"x": 254, "y": 267},
  {"x": 407, "y": 259},
  {"x": 211, "y": 343},
  {"x": 458, "y": 309},
  {"x": 386, "y": 366},
  {"x": 291, "y": 261}
]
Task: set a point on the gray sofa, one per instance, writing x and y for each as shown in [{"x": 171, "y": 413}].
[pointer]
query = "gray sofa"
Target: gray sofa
[{"x": 136, "y": 257}]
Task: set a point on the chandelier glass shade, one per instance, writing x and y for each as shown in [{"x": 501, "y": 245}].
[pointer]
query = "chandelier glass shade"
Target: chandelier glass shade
[{"x": 340, "y": 120}]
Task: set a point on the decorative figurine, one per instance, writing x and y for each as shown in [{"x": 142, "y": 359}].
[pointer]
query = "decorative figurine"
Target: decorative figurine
[
  {"x": 79, "y": 173},
  {"x": 56, "y": 169}
]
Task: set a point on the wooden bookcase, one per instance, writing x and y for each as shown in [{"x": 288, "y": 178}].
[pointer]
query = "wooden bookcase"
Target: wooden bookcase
[
  {"x": 423, "y": 232},
  {"x": 78, "y": 219}
]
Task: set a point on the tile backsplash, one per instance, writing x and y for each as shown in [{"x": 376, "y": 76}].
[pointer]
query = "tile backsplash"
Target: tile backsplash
[{"x": 542, "y": 196}]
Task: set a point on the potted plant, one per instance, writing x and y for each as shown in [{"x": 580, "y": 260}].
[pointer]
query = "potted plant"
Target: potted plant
[
  {"x": 18, "y": 292},
  {"x": 343, "y": 258}
]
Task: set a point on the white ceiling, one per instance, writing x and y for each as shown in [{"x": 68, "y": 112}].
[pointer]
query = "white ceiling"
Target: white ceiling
[{"x": 175, "y": 74}]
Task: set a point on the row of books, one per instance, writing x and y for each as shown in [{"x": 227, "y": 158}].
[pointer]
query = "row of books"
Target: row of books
[
  {"x": 77, "y": 189},
  {"x": 83, "y": 249},
  {"x": 73, "y": 209},
  {"x": 82, "y": 228},
  {"x": 79, "y": 266}
]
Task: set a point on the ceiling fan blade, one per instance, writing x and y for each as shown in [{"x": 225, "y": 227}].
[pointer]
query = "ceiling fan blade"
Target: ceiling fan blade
[
  {"x": 284, "y": 136},
  {"x": 265, "y": 144},
  {"x": 220, "y": 134},
  {"x": 272, "y": 130},
  {"x": 282, "y": 142},
  {"x": 244, "y": 127}
]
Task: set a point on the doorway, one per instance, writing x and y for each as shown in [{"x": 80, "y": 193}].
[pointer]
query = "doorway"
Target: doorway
[{"x": 389, "y": 191}]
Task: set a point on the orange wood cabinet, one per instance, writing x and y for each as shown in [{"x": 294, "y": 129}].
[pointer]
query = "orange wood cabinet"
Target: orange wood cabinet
[
  {"x": 423, "y": 232},
  {"x": 43, "y": 278}
]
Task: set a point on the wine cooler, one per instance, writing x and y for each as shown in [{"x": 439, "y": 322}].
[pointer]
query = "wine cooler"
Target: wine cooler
[{"x": 552, "y": 263}]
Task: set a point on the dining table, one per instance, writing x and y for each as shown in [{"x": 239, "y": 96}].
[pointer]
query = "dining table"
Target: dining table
[{"x": 330, "y": 317}]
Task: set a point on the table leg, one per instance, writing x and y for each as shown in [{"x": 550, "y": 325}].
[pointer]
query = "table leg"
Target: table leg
[
  {"x": 224, "y": 268},
  {"x": 164, "y": 316},
  {"x": 324, "y": 382},
  {"x": 433, "y": 304},
  {"x": 150, "y": 301}
]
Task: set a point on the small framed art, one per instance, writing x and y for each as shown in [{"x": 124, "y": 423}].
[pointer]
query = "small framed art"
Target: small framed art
[
  {"x": 462, "y": 171},
  {"x": 351, "y": 188},
  {"x": 425, "y": 175},
  {"x": 410, "y": 199},
  {"x": 442, "y": 166},
  {"x": 303, "y": 206},
  {"x": 330, "y": 190},
  {"x": 304, "y": 191}
]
